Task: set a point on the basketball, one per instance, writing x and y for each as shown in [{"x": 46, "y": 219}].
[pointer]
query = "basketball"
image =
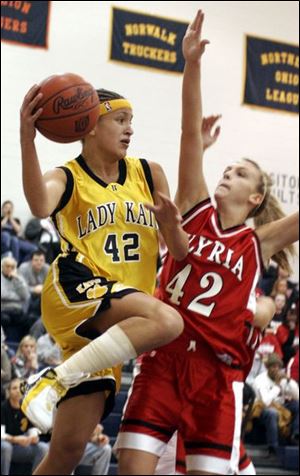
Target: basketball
[{"x": 70, "y": 108}]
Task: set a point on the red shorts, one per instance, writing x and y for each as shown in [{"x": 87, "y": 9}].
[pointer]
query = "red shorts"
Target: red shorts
[
  {"x": 245, "y": 462},
  {"x": 184, "y": 386}
]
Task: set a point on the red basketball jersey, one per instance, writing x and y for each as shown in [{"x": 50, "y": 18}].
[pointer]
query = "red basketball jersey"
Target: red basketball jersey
[{"x": 214, "y": 286}]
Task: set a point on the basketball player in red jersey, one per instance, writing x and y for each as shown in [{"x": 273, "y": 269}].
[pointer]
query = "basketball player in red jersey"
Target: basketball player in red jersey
[
  {"x": 194, "y": 384},
  {"x": 173, "y": 459}
]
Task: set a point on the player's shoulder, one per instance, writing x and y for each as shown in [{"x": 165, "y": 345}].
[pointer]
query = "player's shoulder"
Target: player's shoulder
[
  {"x": 56, "y": 175},
  {"x": 205, "y": 205}
]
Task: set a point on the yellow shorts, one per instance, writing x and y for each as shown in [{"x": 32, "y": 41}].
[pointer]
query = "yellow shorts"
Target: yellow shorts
[{"x": 71, "y": 295}]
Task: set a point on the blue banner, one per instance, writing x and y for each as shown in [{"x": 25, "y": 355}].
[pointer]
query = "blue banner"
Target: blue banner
[
  {"x": 272, "y": 75},
  {"x": 25, "y": 23},
  {"x": 147, "y": 40}
]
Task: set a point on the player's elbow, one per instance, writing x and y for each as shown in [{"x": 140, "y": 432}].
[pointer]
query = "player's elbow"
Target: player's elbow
[
  {"x": 180, "y": 252},
  {"x": 180, "y": 255},
  {"x": 39, "y": 211}
]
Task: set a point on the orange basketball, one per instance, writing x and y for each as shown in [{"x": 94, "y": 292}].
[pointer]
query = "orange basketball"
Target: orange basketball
[{"x": 70, "y": 108}]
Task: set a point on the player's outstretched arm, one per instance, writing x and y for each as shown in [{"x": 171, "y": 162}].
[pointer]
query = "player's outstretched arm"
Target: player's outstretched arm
[
  {"x": 191, "y": 183},
  {"x": 277, "y": 235},
  {"x": 167, "y": 215},
  {"x": 43, "y": 193}
]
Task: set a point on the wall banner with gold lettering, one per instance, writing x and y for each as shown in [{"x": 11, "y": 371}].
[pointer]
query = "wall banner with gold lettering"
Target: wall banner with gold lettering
[
  {"x": 272, "y": 74},
  {"x": 25, "y": 23},
  {"x": 147, "y": 40}
]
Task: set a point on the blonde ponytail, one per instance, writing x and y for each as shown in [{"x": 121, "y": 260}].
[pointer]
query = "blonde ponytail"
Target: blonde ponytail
[{"x": 270, "y": 210}]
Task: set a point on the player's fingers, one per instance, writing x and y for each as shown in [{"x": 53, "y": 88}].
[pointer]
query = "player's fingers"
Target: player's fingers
[
  {"x": 217, "y": 132},
  {"x": 31, "y": 93},
  {"x": 152, "y": 208},
  {"x": 37, "y": 114},
  {"x": 34, "y": 102},
  {"x": 195, "y": 22},
  {"x": 199, "y": 21},
  {"x": 163, "y": 196}
]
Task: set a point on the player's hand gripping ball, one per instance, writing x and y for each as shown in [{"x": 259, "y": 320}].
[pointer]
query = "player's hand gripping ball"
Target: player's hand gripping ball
[{"x": 70, "y": 108}]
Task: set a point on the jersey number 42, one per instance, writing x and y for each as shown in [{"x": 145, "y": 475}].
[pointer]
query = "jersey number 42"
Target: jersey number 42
[{"x": 212, "y": 281}]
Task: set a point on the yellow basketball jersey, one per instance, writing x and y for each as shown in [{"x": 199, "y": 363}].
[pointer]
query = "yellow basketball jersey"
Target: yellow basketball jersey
[{"x": 108, "y": 224}]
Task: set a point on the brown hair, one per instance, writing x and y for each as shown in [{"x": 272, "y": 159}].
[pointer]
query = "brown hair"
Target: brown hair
[
  {"x": 106, "y": 95},
  {"x": 267, "y": 211}
]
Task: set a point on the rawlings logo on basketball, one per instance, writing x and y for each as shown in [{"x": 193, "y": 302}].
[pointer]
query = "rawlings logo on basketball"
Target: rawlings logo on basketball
[
  {"x": 70, "y": 108},
  {"x": 73, "y": 102},
  {"x": 82, "y": 124}
]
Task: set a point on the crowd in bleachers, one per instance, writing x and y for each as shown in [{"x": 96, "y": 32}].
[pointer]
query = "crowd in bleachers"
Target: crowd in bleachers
[
  {"x": 26, "y": 347},
  {"x": 273, "y": 382}
]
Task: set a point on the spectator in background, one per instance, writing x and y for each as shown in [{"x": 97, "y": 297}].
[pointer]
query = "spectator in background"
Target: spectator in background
[
  {"x": 268, "y": 282},
  {"x": 5, "y": 367},
  {"x": 280, "y": 310},
  {"x": 288, "y": 335},
  {"x": 280, "y": 287},
  {"x": 275, "y": 391},
  {"x": 268, "y": 279},
  {"x": 97, "y": 452},
  {"x": 292, "y": 288},
  {"x": 34, "y": 273},
  {"x": 14, "y": 299},
  {"x": 43, "y": 233},
  {"x": 50, "y": 239},
  {"x": 10, "y": 235},
  {"x": 10, "y": 229},
  {"x": 269, "y": 344},
  {"x": 25, "y": 362},
  {"x": 48, "y": 351},
  {"x": 19, "y": 442}
]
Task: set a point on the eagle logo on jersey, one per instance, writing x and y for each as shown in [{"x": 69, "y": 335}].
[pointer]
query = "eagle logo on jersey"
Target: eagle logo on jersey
[
  {"x": 93, "y": 289},
  {"x": 96, "y": 292}
]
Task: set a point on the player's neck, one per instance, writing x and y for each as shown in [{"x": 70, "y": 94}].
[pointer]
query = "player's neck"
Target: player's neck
[
  {"x": 230, "y": 217},
  {"x": 107, "y": 170}
]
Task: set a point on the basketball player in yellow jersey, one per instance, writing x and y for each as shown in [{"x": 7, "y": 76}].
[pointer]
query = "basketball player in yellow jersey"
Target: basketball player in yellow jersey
[{"x": 92, "y": 298}]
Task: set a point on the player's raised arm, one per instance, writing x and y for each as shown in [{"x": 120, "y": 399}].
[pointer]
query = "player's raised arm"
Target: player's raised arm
[
  {"x": 167, "y": 215},
  {"x": 191, "y": 184},
  {"x": 42, "y": 193},
  {"x": 277, "y": 235}
]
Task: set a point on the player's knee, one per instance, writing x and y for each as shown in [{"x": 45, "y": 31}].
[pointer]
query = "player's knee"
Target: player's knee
[
  {"x": 172, "y": 323},
  {"x": 68, "y": 452}
]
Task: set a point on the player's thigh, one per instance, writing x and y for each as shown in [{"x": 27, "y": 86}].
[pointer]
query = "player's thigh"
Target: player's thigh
[
  {"x": 136, "y": 304},
  {"x": 136, "y": 462}
]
